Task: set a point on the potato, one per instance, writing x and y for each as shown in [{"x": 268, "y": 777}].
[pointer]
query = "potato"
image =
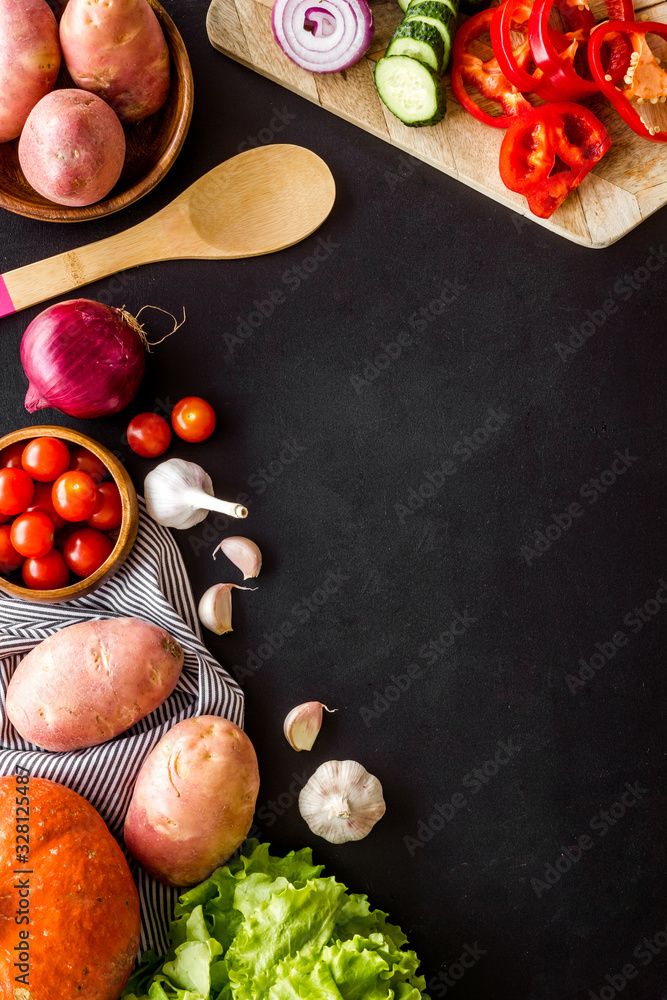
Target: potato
[
  {"x": 91, "y": 681},
  {"x": 72, "y": 148},
  {"x": 29, "y": 61},
  {"x": 194, "y": 800},
  {"x": 116, "y": 49}
]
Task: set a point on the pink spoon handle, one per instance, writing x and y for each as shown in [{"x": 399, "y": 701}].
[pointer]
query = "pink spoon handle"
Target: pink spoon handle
[{"x": 6, "y": 305}]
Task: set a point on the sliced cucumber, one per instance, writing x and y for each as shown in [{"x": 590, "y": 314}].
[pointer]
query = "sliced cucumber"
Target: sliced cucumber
[
  {"x": 420, "y": 41},
  {"x": 439, "y": 26},
  {"x": 410, "y": 89},
  {"x": 438, "y": 11},
  {"x": 451, "y": 5}
]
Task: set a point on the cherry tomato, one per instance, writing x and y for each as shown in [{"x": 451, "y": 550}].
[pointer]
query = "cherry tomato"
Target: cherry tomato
[
  {"x": 10, "y": 559},
  {"x": 83, "y": 460},
  {"x": 10, "y": 457},
  {"x": 149, "y": 435},
  {"x": 74, "y": 496},
  {"x": 42, "y": 501},
  {"x": 110, "y": 513},
  {"x": 49, "y": 572},
  {"x": 32, "y": 534},
  {"x": 45, "y": 458},
  {"x": 16, "y": 491},
  {"x": 193, "y": 419},
  {"x": 86, "y": 549}
]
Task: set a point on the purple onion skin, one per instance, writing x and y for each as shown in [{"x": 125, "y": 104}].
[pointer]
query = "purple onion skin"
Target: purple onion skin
[{"x": 82, "y": 358}]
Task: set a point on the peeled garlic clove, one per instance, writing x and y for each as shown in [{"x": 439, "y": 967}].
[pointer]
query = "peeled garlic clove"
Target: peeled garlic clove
[
  {"x": 243, "y": 553},
  {"x": 302, "y": 725},
  {"x": 215, "y": 607},
  {"x": 342, "y": 801}
]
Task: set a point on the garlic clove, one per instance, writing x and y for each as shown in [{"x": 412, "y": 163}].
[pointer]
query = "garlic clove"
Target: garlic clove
[
  {"x": 243, "y": 553},
  {"x": 215, "y": 607},
  {"x": 303, "y": 723},
  {"x": 342, "y": 801}
]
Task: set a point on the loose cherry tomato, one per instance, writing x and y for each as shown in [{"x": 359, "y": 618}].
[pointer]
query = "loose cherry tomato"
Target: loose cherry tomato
[
  {"x": 74, "y": 496},
  {"x": 193, "y": 419},
  {"x": 10, "y": 559},
  {"x": 110, "y": 514},
  {"x": 49, "y": 572},
  {"x": 148, "y": 435},
  {"x": 10, "y": 457},
  {"x": 45, "y": 458},
  {"x": 16, "y": 490},
  {"x": 86, "y": 549},
  {"x": 42, "y": 501},
  {"x": 83, "y": 460},
  {"x": 32, "y": 534}
]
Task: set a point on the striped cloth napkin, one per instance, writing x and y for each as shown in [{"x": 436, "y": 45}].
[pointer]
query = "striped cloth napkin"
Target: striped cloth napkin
[{"x": 152, "y": 585}]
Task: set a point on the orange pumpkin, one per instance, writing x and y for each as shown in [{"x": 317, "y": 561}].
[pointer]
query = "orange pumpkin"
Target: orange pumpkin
[{"x": 69, "y": 908}]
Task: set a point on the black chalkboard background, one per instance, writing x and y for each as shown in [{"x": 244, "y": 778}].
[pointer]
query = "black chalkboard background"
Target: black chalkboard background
[{"x": 489, "y": 510}]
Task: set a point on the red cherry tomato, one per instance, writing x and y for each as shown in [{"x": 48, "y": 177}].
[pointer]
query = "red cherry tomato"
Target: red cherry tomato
[
  {"x": 10, "y": 457},
  {"x": 86, "y": 549},
  {"x": 110, "y": 513},
  {"x": 42, "y": 501},
  {"x": 82, "y": 460},
  {"x": 45, "y": 458},
  {"x": 49, "y": 572},
  {"x": 32, "y": 534},
  {"x": 74, "y": 496},
  {"x": 16, "y": 491},
  {"x": 149, "y": 435},
  {"x": 193, "y": 419},
  {"x": 10, "y": 559}
]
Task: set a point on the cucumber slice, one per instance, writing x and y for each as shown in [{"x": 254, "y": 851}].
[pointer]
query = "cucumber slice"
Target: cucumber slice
[
  {"x": 438, "y": 25},
  {"x": 410, "y": 90},
  {"x": 419, "y": 41},
  {"x": 432, "y": 8},
  {"x": 451, "y": 5}
]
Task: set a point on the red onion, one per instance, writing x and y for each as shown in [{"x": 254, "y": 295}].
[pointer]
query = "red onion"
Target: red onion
[
  {"x": 83, "y": 358},
  {"x": 323, "y": 36}
]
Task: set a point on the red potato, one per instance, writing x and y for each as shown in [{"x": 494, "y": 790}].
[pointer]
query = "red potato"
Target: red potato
[
  {"x": 194, "y": 800},
  {"x": 116, "y": 49},
  {"x": 29, "y": 61},
  {"x": 72, "y": 148},
  {"x": 92, "y": 681}
]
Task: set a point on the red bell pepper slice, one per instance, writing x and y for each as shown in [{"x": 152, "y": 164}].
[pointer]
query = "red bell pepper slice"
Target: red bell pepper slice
[
  {"x": 484, "y": 75},
  {"x": 559, "y": 66},
  {"x": 514, "y": 15},
  {"x": 530, "y": 147},
  {"x": 645, "y": 80}
]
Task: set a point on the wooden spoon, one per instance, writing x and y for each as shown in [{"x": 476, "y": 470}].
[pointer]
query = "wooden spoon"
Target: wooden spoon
[{"x": 260, "y": 201}]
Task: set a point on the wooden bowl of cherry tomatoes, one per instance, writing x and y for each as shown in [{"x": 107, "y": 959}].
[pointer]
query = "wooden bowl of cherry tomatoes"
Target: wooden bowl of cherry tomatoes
[{"x": 68, "y": 514}]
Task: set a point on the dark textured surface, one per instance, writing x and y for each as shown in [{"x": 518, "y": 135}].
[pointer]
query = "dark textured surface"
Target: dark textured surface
[{"x": 331, "y": 464}]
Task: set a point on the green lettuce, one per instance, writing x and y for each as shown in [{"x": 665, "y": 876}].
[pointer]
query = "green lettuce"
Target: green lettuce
[{"x": 275, "y": 928}]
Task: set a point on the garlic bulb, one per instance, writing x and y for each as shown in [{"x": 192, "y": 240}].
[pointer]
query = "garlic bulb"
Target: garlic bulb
[
  {"x": 179, "y": 494},
  {"x": 215, "y": 607},
  {"x": 243, "y": 553},
  {"x": 302, "y": 725},
  {"x": 342, "y": 801}
]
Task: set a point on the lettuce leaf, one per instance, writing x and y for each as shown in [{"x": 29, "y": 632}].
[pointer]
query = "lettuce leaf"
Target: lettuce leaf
[{"x": 266, "y": 926}]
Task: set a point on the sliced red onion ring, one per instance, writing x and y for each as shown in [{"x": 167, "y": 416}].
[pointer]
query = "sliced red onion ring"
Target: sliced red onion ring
[{"x": 323, "y": 36}]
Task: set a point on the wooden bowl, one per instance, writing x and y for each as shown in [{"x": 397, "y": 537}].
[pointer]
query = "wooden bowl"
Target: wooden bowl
[
  {"x": 152, "y": 147},
  {"x": 127, "y": 531}
]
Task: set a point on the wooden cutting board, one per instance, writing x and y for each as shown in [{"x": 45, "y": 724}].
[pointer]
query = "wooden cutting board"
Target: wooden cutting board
[{"x": 628, "y": 185}]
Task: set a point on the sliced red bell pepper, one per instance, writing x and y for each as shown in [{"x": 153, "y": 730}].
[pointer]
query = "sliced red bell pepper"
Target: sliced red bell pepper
[
  {"x": 645, "y": 80},
  {"x": 530, "y": 147},
  {"x": 514, "y": 15},
  {"x": 559, "y": 66},
  {"x": 483, "y": 75}
]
